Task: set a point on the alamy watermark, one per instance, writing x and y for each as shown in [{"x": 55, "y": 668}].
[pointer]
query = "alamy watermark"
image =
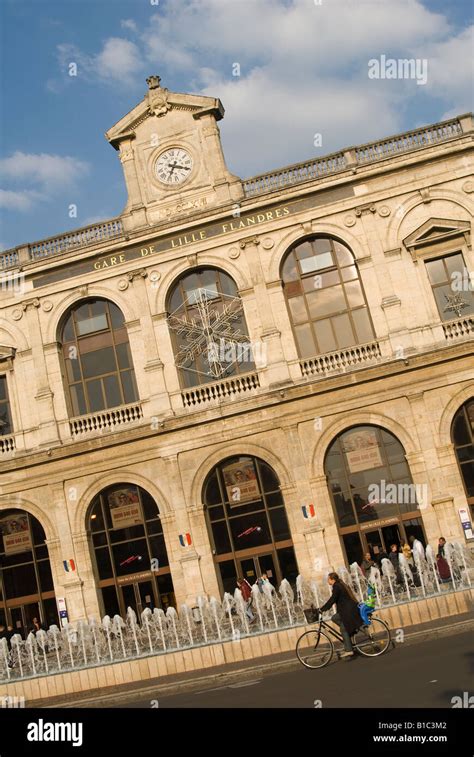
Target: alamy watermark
[
  {"x": 462, "y": 281},
  {"x": 398, "y": 68},
  {"x": 402, "y": 494},
  {"x": 12, "y": 282},
  {"x": 232, "y": 352}
]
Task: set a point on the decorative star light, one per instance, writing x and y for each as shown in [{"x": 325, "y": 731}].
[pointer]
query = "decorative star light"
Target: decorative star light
[
  {"x": 210, "y": 334},
  {"x": 455, "y": 304}
]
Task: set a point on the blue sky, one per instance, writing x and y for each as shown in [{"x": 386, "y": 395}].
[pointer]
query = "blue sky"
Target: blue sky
[{"x": 303, "y": 71}]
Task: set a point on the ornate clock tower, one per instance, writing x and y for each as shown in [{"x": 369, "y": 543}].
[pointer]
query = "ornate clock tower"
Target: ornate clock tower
[{"x": 172, "y": 157}]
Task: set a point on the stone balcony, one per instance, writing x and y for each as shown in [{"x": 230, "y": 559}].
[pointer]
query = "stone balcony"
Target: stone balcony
[{"x": 311, "y": 171}]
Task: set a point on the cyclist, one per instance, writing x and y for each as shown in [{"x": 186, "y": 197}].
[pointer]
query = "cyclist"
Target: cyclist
[{"x": 347, "y": 616}]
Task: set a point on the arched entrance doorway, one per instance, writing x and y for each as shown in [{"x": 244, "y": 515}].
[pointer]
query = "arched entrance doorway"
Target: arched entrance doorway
[
  {"x": 375, "y": 501},
  {"x": 129, "y": 551},
  {"x": 26, "y": 582},
  {"x": 247, "y": 523},
  {"x": 462, "y": 435}
]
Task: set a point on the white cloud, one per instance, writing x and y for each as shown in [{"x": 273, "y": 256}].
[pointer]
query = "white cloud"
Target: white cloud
[
  {"x": 43, "y": 168},
  {"x": 303, "y": 69},
  {"x": 130, "y": 24},
  {"x": 118, "y": 63},
  {"x": 450, "y": 69},
  {"x": 22, "y": 200},
  {"x": 118, "y": 60},
  {"x": 43, "y": 174}
]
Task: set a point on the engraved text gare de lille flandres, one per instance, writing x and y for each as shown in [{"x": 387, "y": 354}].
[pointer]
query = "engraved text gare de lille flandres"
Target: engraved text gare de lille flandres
[{"x": 196, "y": 236}]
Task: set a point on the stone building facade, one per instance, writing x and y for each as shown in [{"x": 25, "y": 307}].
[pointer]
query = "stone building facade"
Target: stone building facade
[{"x": 209, "y": 385}]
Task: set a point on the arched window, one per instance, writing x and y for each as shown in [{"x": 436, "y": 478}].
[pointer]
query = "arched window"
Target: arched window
[
  {"x": 375, "y": 501},
  {"x": 462, "y": 435},
  {"x": 26, "y": 582},
  {"x": 208, "y": 328},
  {"x": 98, "y": 364},
  {"x": 247, "y": 522},
  {"x": 325, "y": 298},
  {"x": 129, "y": 550}
]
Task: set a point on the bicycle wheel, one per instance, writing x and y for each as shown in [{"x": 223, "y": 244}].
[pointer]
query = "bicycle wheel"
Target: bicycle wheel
[
  {"x": 314, "y": 649},
  {"x": 372, "y": 640}
]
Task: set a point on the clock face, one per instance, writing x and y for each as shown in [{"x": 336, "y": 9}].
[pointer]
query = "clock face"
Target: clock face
[{"x": 173, "y": 166}]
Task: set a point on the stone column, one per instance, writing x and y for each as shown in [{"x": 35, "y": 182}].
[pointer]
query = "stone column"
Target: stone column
[
  {"x": 327, "y": 551},
  {"x": 69, "y": 584},
  {"x": 272, "y": 366},
  {"x": 159, "y": 403},
  {"x": 48, "y": 428},
  {"x": 170, "y": 372},
  {"x": 186, "y": 557},
  {"x": 134, "y": 215},
  {"x": 449, "y": 495},
  {"x": 308, "y": 533},
  {"x": 226, "y": 185}
]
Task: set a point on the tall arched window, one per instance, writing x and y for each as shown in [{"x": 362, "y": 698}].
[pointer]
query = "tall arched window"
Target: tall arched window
[
  {"x": 375, "y": 501},
  {"x": 128, "y": 545},
  {"x": 208, "y": 328},
  {"x": 98, "y": 364},
  {"x": 247, "y": 523},
  {"x": 462, "y": 434},
  {"x": 325, "y": 298},
  {"x": 26, "y": 582}
]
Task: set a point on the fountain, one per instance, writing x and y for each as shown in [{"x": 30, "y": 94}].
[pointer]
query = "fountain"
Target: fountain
[
  {"x": 389, "y": 571},
  {"x": 86, "y": 643}
]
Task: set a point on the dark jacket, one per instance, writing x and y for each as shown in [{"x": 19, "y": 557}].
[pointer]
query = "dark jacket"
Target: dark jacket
[{"x": 346, "y": 607}]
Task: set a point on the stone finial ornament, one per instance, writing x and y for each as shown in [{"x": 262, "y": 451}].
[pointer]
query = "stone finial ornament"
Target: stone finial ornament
[
  {"x": 157, "y": 97},
  {"x": 153, "y": 82}
]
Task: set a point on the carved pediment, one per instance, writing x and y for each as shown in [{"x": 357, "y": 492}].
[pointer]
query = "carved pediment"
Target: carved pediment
[
  {"x": 157, "y": 103},
  {"x": 437, "y": 231}
]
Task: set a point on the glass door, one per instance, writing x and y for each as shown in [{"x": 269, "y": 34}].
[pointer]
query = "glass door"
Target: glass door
[
  {"x": 22, "y": 617},
  {"x": 375, "y": 544},
  {"x": 146, "y": 595},
  {"x": 138, "y": 596},
  {"x": 391, "y": 535},
  {"x": 249, "y": 569},
  {"x": 267, "y": 565},
  {"x": 128, "y": 598}
]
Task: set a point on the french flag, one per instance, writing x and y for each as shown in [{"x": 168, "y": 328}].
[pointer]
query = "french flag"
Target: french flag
[
  {"x": 308, "y": 512},
  {"x": 185, "y": 540},
  {"x": 69, "y": 565}
]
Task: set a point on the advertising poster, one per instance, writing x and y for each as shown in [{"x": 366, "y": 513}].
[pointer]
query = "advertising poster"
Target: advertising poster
[
  {"x": 125, "y": 507},
  {"x": 241, "y": 482},
  {"x": 16, "y": 534},
  {"x": 362, "y": 450}
]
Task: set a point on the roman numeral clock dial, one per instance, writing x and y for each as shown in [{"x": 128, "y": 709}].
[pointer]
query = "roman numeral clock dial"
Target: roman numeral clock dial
[{"x": 173, "y": 166}]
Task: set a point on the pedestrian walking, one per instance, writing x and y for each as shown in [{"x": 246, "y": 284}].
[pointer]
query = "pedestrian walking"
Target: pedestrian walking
[
  {"x": 441, "y": 562},
  {"x": 246, "y": 591}
]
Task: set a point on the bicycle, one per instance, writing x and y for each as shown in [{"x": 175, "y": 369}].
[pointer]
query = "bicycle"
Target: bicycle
[{"x": 315, "y": 648}]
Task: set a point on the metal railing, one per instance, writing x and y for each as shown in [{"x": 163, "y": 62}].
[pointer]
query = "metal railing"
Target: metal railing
[
  {"x": 411, "y": 140},
  {"x": 354, "y": 156},
  {"x": 317, "y": 168},
  {"x": 81, "y": 238},
  {"x": 227, "y": 388},
  {"x": 105, "y": 420},
  {"x": 310, "y": 169},
  {"x": 7, "y": 444},
  {"x": 461, "y": 327},
  {"x": 341, "y": 360}
]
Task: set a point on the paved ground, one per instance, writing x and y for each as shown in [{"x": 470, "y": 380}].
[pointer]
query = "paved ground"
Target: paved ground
[
  {"x": 431, "y": 666},
  {"x": 421, "y": 675}
]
